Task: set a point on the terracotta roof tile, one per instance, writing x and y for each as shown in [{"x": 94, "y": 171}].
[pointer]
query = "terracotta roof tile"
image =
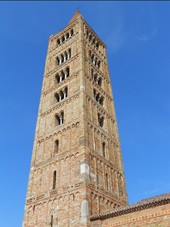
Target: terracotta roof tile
[
  {"x": 76, "y": 15},
  {"x": 143, "y": 204}
]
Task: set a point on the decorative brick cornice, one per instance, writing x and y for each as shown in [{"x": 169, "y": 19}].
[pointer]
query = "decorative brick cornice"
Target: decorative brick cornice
[
  {"x": 142, "y": 205},
  {"x": 59, "y": 130}
]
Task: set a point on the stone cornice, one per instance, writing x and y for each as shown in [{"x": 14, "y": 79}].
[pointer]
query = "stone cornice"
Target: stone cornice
[
  {"x": 55, "y": 194},
  {"x": 58, "y": 130}
]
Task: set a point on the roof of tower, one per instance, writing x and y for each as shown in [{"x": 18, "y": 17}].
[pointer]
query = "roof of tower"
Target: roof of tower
[{"x": 76, "y": 15}]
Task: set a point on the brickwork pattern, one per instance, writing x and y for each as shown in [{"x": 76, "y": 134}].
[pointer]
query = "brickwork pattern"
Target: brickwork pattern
[{"x": 76, "y": 168}]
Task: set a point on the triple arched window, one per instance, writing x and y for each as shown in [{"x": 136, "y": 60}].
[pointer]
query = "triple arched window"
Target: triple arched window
[
  {"x": 94, "y": 60},
  {"x": 98, "y": 97},
  {"x": 61, "y": 95},
  {"x": 92, "y": 38},
  {"x": 96, "y": 78},
  {"x": 64, "y": 74},
  {"x": 62, "y": 58},
  {"x": 65, "y": 37}
]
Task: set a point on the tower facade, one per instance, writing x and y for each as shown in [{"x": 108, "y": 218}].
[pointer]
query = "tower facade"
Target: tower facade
[{"x": 76, "y": 169}]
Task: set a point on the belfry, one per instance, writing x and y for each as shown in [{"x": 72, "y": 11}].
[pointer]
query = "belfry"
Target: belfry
[{"x": 76, "y": 169}]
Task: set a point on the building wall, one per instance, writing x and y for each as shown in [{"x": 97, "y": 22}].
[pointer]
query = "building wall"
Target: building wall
[
  {"x": 86, "y": 180},
  {"x": 152, "y": 217}
]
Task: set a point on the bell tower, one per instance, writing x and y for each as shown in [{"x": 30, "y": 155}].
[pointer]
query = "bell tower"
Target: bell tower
[{"x": 76, "y": 169}]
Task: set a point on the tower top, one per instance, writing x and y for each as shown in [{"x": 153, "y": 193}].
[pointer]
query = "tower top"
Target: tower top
[{"x": 76, "y": 15}]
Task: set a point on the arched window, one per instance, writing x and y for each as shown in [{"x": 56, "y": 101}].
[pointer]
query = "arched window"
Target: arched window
[
  {"x": 95, "y": 77},
  {"x": 97, "y": 97},
  {"x": 57, "y": 78},
  {"x": 56, "y": 146},
  {"x": 71, "y": 32},
  {"x": 57, "y": 120},
  {"x": 100, "y": 120},
  {"x": 57, "y": 97},
  {"x": 92, "y": 73},
  {"x": 107, "y": 182},
  {"x": 104, "y": 149},
  {"x": 101, "y": 101},
  {"x": 54, "y": 179},
  {"x": 52, "y": 220},
  {"x": 98, "y": 64},
  {"x": 100, "y": 81},
  {"x": 67, "y": 35},
  {"x": 58, "y": 41},
  {"x": 62, "y": 39},
  {"x": 62, "y": 118},
  {"x": 58, "y": 60},
  {"x": 61, "y": 95}
]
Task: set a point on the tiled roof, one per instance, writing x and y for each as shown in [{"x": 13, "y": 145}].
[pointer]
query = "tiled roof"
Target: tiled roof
[
  {"x": 143, "y": 204},
  {"x": 76, "y": 15}
]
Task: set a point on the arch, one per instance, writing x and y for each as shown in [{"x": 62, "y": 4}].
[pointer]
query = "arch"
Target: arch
[
  {"x": 95, "y": 77},
  {"x": 56, "y": 146},
  {"x": 58, "y": 41},
  {"x": 100, "y": 81},
  {"x": 57, "y": 119},
  {"x": 62, "y": 39},
  {"x": 101, "y": 100},
  {"x": 52, "y": 220},
  {"x": 67, "y": 35},
  {"x": 58, "y": 60},
  {"x": 107, "y": 182},
  {"x": 54, "y": 179},
  {"x": 104, "y": 149},
  {"x": 57, "y": 97}
]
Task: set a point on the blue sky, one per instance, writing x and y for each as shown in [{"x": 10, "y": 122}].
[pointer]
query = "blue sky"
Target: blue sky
[{"x": 137, "y": 36}]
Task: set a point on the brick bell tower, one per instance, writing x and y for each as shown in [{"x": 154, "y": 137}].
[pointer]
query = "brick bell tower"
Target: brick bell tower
[{"x": 76, "y": 168}]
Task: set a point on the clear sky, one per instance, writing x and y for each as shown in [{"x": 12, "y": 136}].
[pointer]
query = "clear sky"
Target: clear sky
[{"x": 137, "y": 35}]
